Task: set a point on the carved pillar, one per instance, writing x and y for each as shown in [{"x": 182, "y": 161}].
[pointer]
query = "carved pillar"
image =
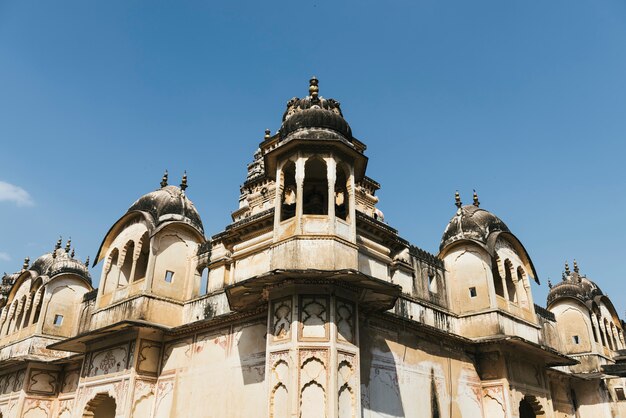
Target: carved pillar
[
  {"x": 331, "y": 177},
  {"x": 312, "y": 363}
]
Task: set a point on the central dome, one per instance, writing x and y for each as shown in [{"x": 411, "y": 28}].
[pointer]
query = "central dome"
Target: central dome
[
  {"x": 166, "y": 204},
  {"x": 471, "y": 223},
  {"x": 314, "y": 111}
]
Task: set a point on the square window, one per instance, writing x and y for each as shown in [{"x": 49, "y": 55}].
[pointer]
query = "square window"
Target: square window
[
  {"x": 619, "y": 392},
  {"x": 576, "y": 339},
  {"x": 472, "y": 291},
  {"x": 58, "y": 320},
  {"x": 169, "y": 276}
]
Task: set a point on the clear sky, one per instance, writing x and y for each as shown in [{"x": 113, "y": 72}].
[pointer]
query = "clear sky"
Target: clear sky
[{"x": 524, "y": 101}]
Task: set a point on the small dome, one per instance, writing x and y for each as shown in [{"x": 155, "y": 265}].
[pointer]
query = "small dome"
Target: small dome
[
  {"x": 314, "y": 111},
  {"x": 471, "y": 223},
  {"x": 62, "y": 262},
  {"x": 166, "y": 204},
  {"x": 574, "y": 286}
]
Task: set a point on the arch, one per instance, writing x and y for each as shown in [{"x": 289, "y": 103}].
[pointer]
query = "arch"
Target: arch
[
  {"x": 522, "y": 292},
  {"x": 111, "y": 271},
  {"x": 508, "y": 279},
  {"x": 607, "y": 329},
  {"x": 203, "y": 273},
  {"x": 342, "y": 199},
  {"x": 497, "y": 279},
  {"x": 593, "y": 327},
  {"x": 100, "y": 406},
  {"x": 141, "y": 265},
  {"x": 289, "y": 191},
  {"x": 315, "y": 187},
  {"x": 127, "y": 264},
  {"x": 38, "y": 304}
]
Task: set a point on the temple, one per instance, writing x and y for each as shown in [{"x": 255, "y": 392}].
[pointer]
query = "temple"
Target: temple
[{"x": 309, "y": 304}]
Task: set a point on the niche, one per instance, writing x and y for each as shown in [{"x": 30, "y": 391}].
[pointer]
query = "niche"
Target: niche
[
  {"x": 288, "y": 199},
  {"x": 142, "y": 261},
  {"x": 315, "y": 188},
  {"x": 341, "y": 194}
]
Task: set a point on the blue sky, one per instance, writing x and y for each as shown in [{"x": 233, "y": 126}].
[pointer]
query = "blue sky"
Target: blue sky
[{"x": 524, "y": 101}]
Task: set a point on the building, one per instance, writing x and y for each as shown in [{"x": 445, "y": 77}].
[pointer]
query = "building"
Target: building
[{"x": 307, "y": 305}]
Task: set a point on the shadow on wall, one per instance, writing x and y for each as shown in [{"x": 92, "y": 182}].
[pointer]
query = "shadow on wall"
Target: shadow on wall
[
  {"x": 380, "y": 389},
  {"x": 250, "y": 342}
]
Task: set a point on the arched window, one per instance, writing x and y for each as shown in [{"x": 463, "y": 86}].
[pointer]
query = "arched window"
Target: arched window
[
  {"x": 315, "y": 188},
  {"x": 497, "y": 279},
  {"x": 110, "y": 281},
  {"x": 602, "y": 336},
  {"x": 341, "y": 194},
  {"x": 609, "y": 340},
  {"x": 593, "y": 327},
  {"x": 20, "y": 316},
  {"x": 288, "y": 198},
  {"x": 615, "y": 346},
  {"x": 521, "y": 286},
  {"x": 204, "y": 280},
  {"x": 508, "y": 279},
  {"x": 142, "y": 261},
  {"x": 38, "y": 304},
  {"x": 127, "y": 266}
]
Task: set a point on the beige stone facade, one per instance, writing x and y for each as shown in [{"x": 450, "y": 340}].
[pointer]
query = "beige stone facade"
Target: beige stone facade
[{"x": 309, "y": 304}]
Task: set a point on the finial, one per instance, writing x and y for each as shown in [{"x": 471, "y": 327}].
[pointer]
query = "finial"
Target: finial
[
  {"x": 267, "y": 134},
  {"x": 164, "y": 179},
  {"x": 549, "y": 283},
  {"x": 26, "y": 263},
  {"x": 183, "y": 184},
  {"x": 58, "y": 244},
  {"x": 313, "y": 88},
  {"x": 476, "y": 202},
  {"x": 457, "y": 199},
  {"x": 576, "y": 267},
  {"x": 567, "y": 270},
  {"x": 72, "y": 254},
  {"x": 68, "y": 245},
  {"x": 87, "y": 262}
]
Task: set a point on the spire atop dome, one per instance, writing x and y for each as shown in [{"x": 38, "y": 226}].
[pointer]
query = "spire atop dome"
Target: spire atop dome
[
  {"x": 576, "y": 270},
  {"x": 313, "y": 88},
  {"x": 68, "y": 245},
  {"x": 567, "y": 270},
  {"x": 164, "y": 179},
  {"x": 457, "y": 200},
  {"x": 58, "y": 244},
  {"x": 476, "y": 202},
  {"x": 267, "y": 134},
  {"x": 73, "y": 253},
  {"x": 87, "y": 262},
  {"x": 26, "y": 263},
  {"x": 183, "y": 184}
]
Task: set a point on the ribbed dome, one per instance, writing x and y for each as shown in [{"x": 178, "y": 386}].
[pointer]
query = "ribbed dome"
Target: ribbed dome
[
  {"x": 62, "y": 262},
  {"x": 574, "y": 286},
  {"x": 314, "y": 111},
  {"x": 167, "y": 204},
  {"x": 471, "y": 223}
]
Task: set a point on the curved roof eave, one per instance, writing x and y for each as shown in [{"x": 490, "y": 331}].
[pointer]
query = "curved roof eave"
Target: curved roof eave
[
  {"x": 443, "y": 252},
  {"x": 181, "y": 221},
  {"x": 128, "y": 215},
  {"x": 491, "y": 245}
]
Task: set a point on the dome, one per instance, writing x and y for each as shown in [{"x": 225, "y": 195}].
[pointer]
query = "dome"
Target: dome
[
  {"x": 314, "y": 111},
  {"x": 471, "y": 223},
  {"x": 169, "y": 203},
  {"x": 574, "y": 286}
]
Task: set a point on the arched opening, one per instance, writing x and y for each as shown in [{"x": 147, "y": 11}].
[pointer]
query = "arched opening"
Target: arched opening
[
  {"x": 112, "y": 271},
  {"x": 497, "y": 279},
  {"x": 341, "y": 194},
  {"x": 38, "y": 304},
  {"x": 615, "y": 346},
  {"x": 315, "y": 188},
  {"x": 508, "y": 279},
  {"x": 609, "y": 340},
  {"x": 204, "y": 280},
  {"x": 101, "y": 406},
  {"x": 522, "y": 294},
  {"x": 127, "y": 266},
  {"x": 288, "y": 198},
  {"x": 593, "y": 327},
  {"x": 142, "y": 261}
]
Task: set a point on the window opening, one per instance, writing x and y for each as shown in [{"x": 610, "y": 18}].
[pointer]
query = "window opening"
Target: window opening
[
  {"x": 169, "y": 276},
  {"x": 510, "y": 285},
  {"x": 315, "y": 188},
  {"x": 472, "y": 292},
  {"x": 288, "y": 204},
  {"x": 619, "y": 393},
  {"x": 432, "y": 283},
  {"x": 576, "y": 339},
  {"x": 58, "y": 320},
  {"x": 142, "y": 261},
  {"x": 497, "y": 279}
]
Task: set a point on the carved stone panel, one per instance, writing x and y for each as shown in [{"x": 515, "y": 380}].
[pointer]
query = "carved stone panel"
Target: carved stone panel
[
  {"x": 344, "y": 319},
  {"x": 314, "y": 314},
  {"x": 280, "y": 406},
  {"x": 110, "y": 360},
  {"x": 346, "y": 385},
  {"x": 281, "y": 320},
  {"x": 313, "y": 383},
  {"x": 148, "y": 357},
  {"x": 42, "y": 381}
]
